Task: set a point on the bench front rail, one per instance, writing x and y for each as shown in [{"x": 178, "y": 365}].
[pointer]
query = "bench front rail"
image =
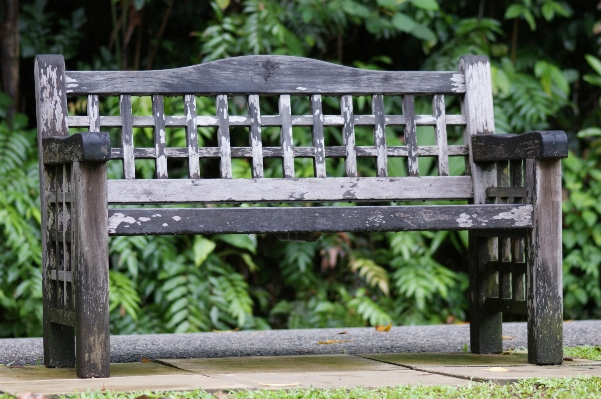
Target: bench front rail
[{"x": 512, "y": 184}]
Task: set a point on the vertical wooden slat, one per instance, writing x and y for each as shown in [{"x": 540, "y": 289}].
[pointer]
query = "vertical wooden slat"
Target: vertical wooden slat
[
  {"x": 286, "y": 136},
  {"x": 51, "y": 109},
  {"x": 64, "y": 227},
  {"x": 348, "y": 134},
  {"x": 223, "y": 136},
  {"x": 254, "y": 112},
  {"x": 545, "y": 295},
  {"x": 477, "y": 107},
  {"x": 319, "y": 161},
  {"x": 191, "y": 136},
  {"x": 518, "y": 285},
  {"x": 377, "y": 106},
  {"x": 127, "y": 138},
  {"x": 160, "y": 139},
  {"x": 410, "y": 135},
  {"x": 441, "y": 134},
  {"x": 94, "y": 113},
  {"x": 90, "y": 274},
  {"x": 504, "y": 243}
]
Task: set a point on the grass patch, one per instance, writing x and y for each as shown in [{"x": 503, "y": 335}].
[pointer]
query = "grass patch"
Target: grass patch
[
  {"x": 584, "y": 352},
  {"x": 581, "y": 387}
]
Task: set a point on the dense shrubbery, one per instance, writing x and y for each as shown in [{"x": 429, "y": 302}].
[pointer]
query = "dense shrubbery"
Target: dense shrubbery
[{"x": 166, "y": 284}]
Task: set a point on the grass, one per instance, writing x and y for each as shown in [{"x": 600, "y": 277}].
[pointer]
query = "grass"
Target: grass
[{"x": 580, "y": 387}]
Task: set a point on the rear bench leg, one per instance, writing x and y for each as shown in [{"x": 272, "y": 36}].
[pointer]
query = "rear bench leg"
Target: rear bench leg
[
  {"x": 544, "y": 281},
  {"x": 485, "y": 325}
]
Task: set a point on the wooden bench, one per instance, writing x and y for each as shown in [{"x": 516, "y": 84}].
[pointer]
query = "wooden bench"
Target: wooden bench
[{"x": 511, "y": 191}]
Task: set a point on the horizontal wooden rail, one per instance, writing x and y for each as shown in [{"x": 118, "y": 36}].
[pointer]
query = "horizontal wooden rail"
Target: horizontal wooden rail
[
  {"x": 164, "y": 191},
  {"x": 327, "y": 219},
  {"x": 79, "y": 147},
  {"x": 507, "y": 306},
  {"x": 531, "y": 145}
]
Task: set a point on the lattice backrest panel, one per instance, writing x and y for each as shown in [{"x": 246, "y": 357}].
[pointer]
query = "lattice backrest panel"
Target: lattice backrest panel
[{"x": 255, "y": 77}]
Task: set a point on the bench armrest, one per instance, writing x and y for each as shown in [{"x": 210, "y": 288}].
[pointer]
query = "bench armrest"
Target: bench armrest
[
  {"x": 509, "y": 147},
  {"x": 79, "y": 147}
]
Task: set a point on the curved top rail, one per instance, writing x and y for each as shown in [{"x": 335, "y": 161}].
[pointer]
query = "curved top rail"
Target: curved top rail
[{"x": 263, "y": 74}]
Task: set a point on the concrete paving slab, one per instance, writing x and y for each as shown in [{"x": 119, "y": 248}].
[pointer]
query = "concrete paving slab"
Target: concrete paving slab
[
  {"x": 413, "y": 360},
  {"x": 503, "y": 375},
  {"x": 343, "y": 379},
  {"x": 278, "y": 364},
  {"x": 124, "y": 378}
]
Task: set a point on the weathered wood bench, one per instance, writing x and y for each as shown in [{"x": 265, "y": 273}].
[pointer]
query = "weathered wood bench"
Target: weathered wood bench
[{"x": 512, "y": 185}]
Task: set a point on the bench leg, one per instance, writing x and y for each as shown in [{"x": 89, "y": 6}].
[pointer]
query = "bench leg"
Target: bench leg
[
  {"x": 91, "y": 267},
  {"x": 59, "y": 345},
  {"x": 544, "y": 281},
  {"x": 485, "y": 325}
]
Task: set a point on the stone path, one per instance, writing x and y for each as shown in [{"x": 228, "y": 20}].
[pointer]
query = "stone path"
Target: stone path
[{"x": 295, "y": 359}]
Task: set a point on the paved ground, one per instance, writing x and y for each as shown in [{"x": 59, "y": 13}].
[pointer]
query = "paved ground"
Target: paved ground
[{"x": 325, "y": 358}]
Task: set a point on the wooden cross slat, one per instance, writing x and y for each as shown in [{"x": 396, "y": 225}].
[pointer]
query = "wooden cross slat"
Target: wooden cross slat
[
  {"x": 160, "y": 139},
  {"x": 377, "y": 106},
  {"x": 286, "y": 136},
  {"x": 254, "y": 112},
  {"x": 191, "y": 136},
  {"x": 319, "y": 159},
  {"x": 440, "y": 131},
  {"x": 410, "y": 135},
  {"x": 223, "y": 137},
  {"x": 348, "y": 135},
  {"x": 127, "y": 138},
  {"x": 93, "y": 113}
]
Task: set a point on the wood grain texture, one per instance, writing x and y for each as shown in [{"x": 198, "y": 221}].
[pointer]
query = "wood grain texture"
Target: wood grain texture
[
  {"x": 93, "y": 107},
  {"x": 410, "y": 135},
  {"x": 289, "y": 190},
  {"x": 88, "y": 146},
  {"x": 266, "y": 120},
  {"x": 312, "y": 219},
  {"x": 348, "y": 135},
  {"x": 127, "y": 138},
  {"x": 51, "y": 110},
  {"x": 160, "y": 136},
  {"x": 531, "y": 145},
  {"x": 191, "y": 136},
  {"x": 518, "y": 280},
  {"x": 544, "y": 279},
  {"x": 264, "y": 75},
  {"x": 377, "y": 106},
  {"x": 319, "y": 158},
  {"x": 256, "y": 143},
  {"x": 302, "y": 152},
  {"x": 90, "y": 269},
  {"x": 223, "y": 137},
  {"x": 440, "y": 133},
  {"x": 286, "y": 140}
]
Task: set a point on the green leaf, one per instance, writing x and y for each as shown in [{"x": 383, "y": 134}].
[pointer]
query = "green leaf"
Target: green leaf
[
  {"x": 242, "y": 241},
  {"x": 223, "y": 4},
  {"x": 548, "y": 11},
  {"x": 202, "y": 248},
  {"x": 590, "y": 218},
  {"x": 423, "y": 32},
  {"x": 514, "y": 11},
  {"x": 594, "y": 62},
  {"x": 403, "y": 22},
  {"x": 356, "y": 9},
  {"x": 592, "y": 79},
  {"x": 589, "y": 132},
  {"x": 426, "y": 4},
  {"x": 530, "y": 19}
]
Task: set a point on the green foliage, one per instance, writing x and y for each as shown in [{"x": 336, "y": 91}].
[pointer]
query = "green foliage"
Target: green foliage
[{"x": 20, "y": 243}]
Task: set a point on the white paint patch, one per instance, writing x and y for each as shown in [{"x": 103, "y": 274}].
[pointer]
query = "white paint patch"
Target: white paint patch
[
  {"x": 521, "y": 216},
  {"x": 464, "y": 220},
  {"x": 458, "y": 83},
  {"x": 143, "y": 219},
  {"x": 176, "y": 218},
  {"x": 301, "y": 88},
  {"x": 118, "y": 218},
  {"x": 165, "y": 225},
  {"x": 156, "y": 215}
]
